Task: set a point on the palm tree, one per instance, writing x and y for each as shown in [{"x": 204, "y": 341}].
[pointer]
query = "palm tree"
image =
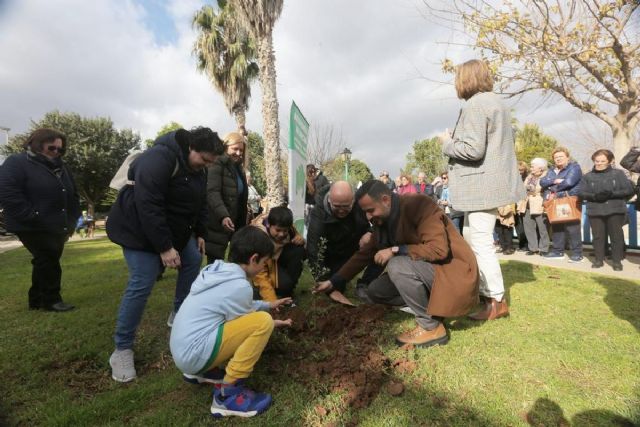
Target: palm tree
[
  {"x": 259, "y": 17},
  {"x": 226, "y": 54}
]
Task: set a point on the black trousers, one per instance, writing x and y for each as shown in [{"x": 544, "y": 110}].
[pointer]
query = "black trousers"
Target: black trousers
[
  {"x": 505, "y": 235},
  {"x": 289, "y": 269},
  {"x": 46, "y": 274},
  {"x": 522, "y": 237},
  {"x": 611, "y": 225}
]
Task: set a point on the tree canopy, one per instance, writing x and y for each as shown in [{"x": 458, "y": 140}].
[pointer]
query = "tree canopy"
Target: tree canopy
[
  {"x": 586, "y": 52},
  {"x": 531, "y": 142},
  {"x": 256, "y": 162},
  {"x": 95, "y": 150},
  {"x": 426, "y": 156},
  {"x": 358, "y": 171}
]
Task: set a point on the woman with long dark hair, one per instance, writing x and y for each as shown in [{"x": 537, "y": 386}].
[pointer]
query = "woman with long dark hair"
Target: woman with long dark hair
[{"x": 41, "y": 206}]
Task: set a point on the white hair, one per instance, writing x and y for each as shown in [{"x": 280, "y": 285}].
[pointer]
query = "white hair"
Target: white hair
[{"x": 538, "y": 161}]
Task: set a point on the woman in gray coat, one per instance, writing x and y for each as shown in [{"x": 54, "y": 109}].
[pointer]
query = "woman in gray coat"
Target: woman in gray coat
[
  {"x": 483, "y": 175},
  {"x": 227, "y": 193}
]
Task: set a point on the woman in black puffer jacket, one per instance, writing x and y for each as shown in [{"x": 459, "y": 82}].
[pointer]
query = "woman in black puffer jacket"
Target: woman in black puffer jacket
[
  {"x": 41, "y": 206},
  {"x": 606, "y": 191}
]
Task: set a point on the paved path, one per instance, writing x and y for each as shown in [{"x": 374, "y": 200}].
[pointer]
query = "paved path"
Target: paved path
[
  {"x": 631, "y": 264},
  {"x": 8, "y": 243}
]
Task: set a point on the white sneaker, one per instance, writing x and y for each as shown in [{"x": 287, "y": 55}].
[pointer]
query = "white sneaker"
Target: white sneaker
[
  {"x": 122, "y": 367},
  {"x": 172, "y": 316}
]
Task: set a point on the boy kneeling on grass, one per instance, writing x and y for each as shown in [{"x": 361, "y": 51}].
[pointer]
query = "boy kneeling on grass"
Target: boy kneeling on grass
[{"x": 220, "y": 322}]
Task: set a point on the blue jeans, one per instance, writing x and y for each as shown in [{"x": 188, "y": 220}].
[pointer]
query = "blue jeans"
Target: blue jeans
[
  {"x": 570, "y": 230},
  {"x": 143, "y": 270}
]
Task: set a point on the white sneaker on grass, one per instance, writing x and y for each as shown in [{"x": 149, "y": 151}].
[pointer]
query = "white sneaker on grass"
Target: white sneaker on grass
[
  {"x": 406, "y": 309},
  {"x": 122, "y": 366}
]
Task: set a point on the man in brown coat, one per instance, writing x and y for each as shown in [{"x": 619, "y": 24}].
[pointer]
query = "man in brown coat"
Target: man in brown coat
[{"x": 430, "y": 267}]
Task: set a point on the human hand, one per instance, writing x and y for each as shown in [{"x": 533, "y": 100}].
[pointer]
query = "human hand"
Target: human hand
[
  {"x": 298, "y": 240},
  {"x": 282, "y": 323},
  {"x": 228, "y": 224},
  {"x": 322, "y": 287},
  {"x": 383, "y": 256},
  {"x": 275, "y": 305},
  {"x": 365, "y": 239},
  {"x": 557, "y": 180},
  {"x": 170, "y": 258},
  {"x": 200, "y": 245}
]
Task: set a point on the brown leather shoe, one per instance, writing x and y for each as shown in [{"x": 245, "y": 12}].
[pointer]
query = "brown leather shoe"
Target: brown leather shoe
[
  {"x": 492, "y": 310},
  {"x": 421, "y": 337}
]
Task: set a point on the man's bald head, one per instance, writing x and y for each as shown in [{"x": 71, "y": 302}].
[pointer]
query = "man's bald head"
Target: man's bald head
[{"x": 341, "y": 198}]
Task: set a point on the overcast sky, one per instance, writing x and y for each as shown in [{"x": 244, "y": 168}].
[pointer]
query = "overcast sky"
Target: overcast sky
[{"x": 353, "y": 65}]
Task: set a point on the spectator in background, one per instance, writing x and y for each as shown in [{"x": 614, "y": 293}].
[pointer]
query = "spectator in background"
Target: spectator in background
[
  {"x": 631, "y": 162},
  {"x": 405, "y": 187},
  {"x": 253, "y": 198},
  {"x": 81, "y": 224},
  {"x": 504, "y": 227},
  {"x": 438, "y": 185},
  {"x": 317, "y": 184},
  {"x": 523, "y": 169},
  {"x": 159, "y": 219},
  {"x": 606, "y": 191},
  {"x": 563, "y": 181},
  {"x": 41, "y": 206},
  {"x": 483, "y": 175},
  {"x": 384, "y": 177},
  {"x": 456, "y": 216},
  {"x": 227, "y": 195},
  {"x": 534, "y": 221},
  {"x": 422, "y": 186}
]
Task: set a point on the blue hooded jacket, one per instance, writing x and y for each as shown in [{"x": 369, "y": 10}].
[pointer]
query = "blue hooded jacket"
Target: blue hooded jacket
[
  {"x": 220, "y": 293},
  {"x": 571, "y": 184}
]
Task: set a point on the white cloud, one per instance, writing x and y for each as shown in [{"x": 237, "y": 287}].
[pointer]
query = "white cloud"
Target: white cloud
[{"x": 356, "y": 65}]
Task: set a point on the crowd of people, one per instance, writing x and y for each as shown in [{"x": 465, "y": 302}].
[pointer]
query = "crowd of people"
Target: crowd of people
[{"x": 428, "y": 247}]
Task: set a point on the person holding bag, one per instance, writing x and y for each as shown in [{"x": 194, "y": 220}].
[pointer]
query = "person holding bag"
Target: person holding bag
[
  {"x": 606, "y": 191},
  {"x": 560, "y": 182}
]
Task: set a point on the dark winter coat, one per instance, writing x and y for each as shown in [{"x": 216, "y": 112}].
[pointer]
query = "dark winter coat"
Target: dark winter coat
[
  {"x": 423, "y": 230},
  {"x": 164, "y": 208},
  {"x": 35, "y": 197},
  {"x": 223, "y": 200},
  {"x": 428, "y": 189},
  {"x": 342, "y": 235},
  {"x": 631, "y": 162},
  {"x": 606, "y": 192},
  {"x": 571, "y": 184}
]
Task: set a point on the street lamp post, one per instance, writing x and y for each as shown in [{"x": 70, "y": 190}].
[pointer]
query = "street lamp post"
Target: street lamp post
[{"x": 346, "y": 158}]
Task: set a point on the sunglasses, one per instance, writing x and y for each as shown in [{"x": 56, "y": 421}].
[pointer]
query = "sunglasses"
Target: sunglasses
[{"x": 53, "y": 148}]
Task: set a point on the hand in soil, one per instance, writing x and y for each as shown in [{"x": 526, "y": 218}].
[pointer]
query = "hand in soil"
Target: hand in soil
[
  {"x": 282, "y": 323},
  {"x": 322, "y": 287},
  {"x": 275, "y": 305},
  {"x": 338, "y": 296}
]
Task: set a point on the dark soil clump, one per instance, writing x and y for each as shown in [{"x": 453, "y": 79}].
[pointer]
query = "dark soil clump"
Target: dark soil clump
[{"x": 339, "y": 345}]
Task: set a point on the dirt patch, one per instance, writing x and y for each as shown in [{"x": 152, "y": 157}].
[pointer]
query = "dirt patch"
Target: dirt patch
[{"x": 339, "y": 348}]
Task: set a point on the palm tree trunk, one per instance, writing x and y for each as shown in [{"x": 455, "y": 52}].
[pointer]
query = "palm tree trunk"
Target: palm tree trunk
[
  {"x": 271, "y": 125},
  {"x": 241, "y": 119}
]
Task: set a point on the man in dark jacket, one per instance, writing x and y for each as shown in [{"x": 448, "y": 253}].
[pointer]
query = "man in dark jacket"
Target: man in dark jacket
[
  {"x": 159, "y": 220},
  {"x": 430, "y": 267},
  {"x": 422, "y": 186},
  {"x": 335, "y": 230}
]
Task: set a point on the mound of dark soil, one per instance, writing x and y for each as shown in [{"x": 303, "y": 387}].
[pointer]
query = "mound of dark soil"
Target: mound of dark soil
[{"x": 335, "y": 347}]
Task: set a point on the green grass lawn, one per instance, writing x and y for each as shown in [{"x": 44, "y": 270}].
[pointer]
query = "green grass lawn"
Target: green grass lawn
[{"x": 568, "y": 355}]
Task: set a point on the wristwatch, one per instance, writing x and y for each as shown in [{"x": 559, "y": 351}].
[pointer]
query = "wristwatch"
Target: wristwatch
[{"x": 395, "y": 250}]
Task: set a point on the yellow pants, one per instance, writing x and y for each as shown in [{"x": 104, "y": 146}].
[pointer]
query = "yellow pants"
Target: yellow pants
[{"x": 243, "y": 340}]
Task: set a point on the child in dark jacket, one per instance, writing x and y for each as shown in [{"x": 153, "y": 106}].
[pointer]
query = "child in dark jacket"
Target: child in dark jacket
[{"x": 220, "y": 322}]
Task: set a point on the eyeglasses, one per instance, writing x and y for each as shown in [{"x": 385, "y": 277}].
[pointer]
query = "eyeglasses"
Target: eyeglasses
[
  {"x": 53, "y": 148},
  {"x": 444, "y": 177}
]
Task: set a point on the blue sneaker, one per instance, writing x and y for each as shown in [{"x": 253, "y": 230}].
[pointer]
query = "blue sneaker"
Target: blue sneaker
[
  {"x": 575, "y": 258},
  {"x": 239, "y": 401},
  {"x": 214, "y": 376},
  {"x": 554, "y": 255}
]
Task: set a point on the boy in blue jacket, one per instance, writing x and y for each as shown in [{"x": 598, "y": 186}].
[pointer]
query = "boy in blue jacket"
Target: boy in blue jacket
[{"x": 220, "y": 322}]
